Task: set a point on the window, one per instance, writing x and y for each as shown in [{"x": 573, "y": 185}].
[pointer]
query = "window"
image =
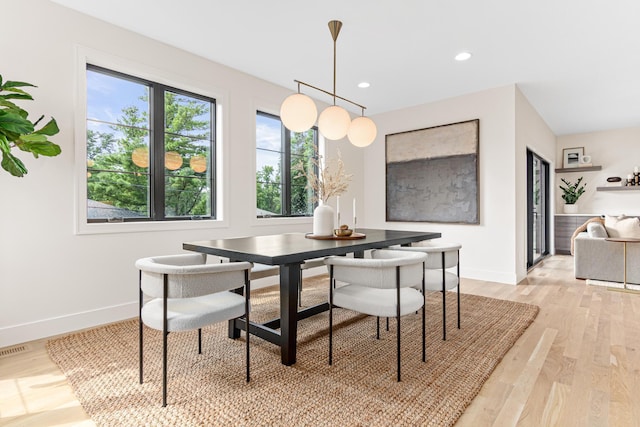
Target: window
[
  {"x": 280, "y": 189},
  {"x": 150, "y": 150}
]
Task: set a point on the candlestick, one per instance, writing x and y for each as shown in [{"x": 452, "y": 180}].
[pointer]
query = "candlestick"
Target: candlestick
[
  {"x": 354, "y": 213},
  {"x": 338, "y": 210}
]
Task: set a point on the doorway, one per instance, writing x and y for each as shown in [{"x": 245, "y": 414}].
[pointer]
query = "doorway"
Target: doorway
[{"x": 537, "y": 208}]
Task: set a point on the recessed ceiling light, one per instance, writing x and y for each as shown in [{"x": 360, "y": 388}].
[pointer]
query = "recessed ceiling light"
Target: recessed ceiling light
[
  {"x": 364, "y": 84},
  {"x": 463, "y": 56}
]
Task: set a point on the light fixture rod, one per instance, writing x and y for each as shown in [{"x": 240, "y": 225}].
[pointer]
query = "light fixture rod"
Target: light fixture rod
[
  {"x": 329, "y": 93},
  {"x": 334, "y": 28}
]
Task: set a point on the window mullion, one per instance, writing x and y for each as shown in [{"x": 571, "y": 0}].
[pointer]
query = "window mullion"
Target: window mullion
[
  {"x": 157, "y": 142},
  {"x": 286, "y": 173},
  {"x": 212, "y": 164}
]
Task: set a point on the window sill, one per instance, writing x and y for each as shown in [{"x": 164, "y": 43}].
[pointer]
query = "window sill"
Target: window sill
[
  {"x": 289, "y": 220},
  {"x": 148, "y": 226}
]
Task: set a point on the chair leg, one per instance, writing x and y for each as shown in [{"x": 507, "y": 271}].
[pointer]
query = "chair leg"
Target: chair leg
[
  {"x": 140, "y": 326},
  {"x": 331, "y": 282},
  {"x": 199, "y": 340},
  {"x": 165, "y": 333},
  {"x": 377, "y": 327},
  {"x": 387, "y": 324},
  {"x": 398, "y": 317},
  {"x": 458, "y": 268},
  {"x": 444, "y": 302},
  {"x": 300, "y": 290},
  {"x": 424, "y": 318},
  {"x": 247, "y": 296}
]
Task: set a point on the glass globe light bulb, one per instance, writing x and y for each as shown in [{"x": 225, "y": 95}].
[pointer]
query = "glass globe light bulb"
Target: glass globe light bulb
[
  {"x": 362, "y": 131},
  {"x": 334, "y": 122},
  {"x": 298, "y": 112}
]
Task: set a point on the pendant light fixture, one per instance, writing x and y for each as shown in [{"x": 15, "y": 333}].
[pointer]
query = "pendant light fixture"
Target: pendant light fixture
[{"x": 298, "y": 112}]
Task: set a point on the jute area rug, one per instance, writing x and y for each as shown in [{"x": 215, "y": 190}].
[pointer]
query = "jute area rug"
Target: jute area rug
[{"x": 359, "y": 389}]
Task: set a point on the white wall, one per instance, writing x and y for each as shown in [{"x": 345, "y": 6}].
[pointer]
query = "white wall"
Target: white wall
[
  {"x": 53, "y": 280},
  {"x": 532, "y": 133},
  {"x": 488, "y": 249},
  {"x": 617, "y": 151}
]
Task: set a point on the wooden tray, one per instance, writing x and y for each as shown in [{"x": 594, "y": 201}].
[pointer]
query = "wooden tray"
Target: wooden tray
[{"x": 354, "y": 236}]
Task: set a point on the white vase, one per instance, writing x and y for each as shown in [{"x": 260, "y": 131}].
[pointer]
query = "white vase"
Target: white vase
[
  {"x": 323, "y": 217},
  {"x": 571, "y": 209}
]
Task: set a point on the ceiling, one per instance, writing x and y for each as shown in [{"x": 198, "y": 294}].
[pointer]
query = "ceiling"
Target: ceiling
[{"x": 576, "y": 61}]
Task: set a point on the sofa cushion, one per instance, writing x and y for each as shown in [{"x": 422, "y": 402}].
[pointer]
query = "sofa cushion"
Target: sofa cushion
[
  {"x": 596, "y": 229},
  {"x": 622, "y": 226}
]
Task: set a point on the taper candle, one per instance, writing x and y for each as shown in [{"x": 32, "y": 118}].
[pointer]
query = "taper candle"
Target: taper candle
[{"x": 354, "y": 211}]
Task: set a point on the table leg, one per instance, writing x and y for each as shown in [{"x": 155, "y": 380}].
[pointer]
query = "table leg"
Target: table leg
[{"x": 289, "y": 281}]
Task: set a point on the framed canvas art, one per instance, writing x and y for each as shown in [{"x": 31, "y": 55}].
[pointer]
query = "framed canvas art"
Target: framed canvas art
[
  {"x": 571, "y": 157},
  {"x": 432, "y": 174}
]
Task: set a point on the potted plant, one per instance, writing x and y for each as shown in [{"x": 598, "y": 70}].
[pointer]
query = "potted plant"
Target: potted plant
[
  {"x": 571, "y": 193},
  {"x": 17, "y": 131}
]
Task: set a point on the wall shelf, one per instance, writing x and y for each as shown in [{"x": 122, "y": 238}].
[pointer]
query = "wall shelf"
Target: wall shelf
[
  {"x": 632, "y": 188},
  {"x": 584, "y": 169}
]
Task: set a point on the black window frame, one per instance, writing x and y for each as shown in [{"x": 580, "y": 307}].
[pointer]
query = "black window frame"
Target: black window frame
[
  {"x": 285, "y": 141},
  {"x": 157, "y": 150}
]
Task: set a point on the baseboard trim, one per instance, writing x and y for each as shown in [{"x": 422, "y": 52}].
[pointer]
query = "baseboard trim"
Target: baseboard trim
[
  {"x": 17, "y": 334},
  {"x": 490, "y": 276}
]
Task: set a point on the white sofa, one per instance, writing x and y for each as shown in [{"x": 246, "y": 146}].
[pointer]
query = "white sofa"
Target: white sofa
[{"x": 597, "y": 258}]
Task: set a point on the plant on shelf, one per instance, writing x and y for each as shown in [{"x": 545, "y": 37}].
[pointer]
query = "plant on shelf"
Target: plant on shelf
[
  {"x": 17, "y": 131},
  {"x": 571, "y": 192}
]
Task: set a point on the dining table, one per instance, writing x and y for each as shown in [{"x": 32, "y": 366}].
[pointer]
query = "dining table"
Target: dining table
[{"x": 289, "y": 251}]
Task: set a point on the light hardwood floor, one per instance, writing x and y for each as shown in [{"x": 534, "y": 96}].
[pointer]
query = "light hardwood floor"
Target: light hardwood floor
[{"x": 578, "y": 364}]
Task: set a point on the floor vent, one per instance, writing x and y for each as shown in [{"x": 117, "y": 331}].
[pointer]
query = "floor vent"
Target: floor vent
[{"x": 10, "y": 351}]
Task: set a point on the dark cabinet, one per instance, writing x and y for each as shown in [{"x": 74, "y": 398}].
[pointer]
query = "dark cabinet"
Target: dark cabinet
[{"x": 564, "y": 227}]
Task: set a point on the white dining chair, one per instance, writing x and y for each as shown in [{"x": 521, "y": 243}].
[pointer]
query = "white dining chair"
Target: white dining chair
[
  {"x": 441, "y": 257},
  {"x": 381, "y": 286},
  {"x": 182, "y": 292}
]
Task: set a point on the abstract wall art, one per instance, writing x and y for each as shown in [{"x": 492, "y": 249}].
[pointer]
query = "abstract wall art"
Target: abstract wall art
[{"x": 432, "y": 174}]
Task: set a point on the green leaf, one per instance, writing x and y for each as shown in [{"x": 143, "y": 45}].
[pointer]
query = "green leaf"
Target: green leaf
[
  {"x": 15, "y": 90},
  {"x": 50, "y": 128},
  {"x": 16, "y": 96},
  {"x": 13, "y": 165},
  {"x": 12, "y": 122},
  {"x": 8, "y": 104},
  {"x": 45, "y": 148},
  {"x": 4, "y": 144},
  {"x": 33, "y": 137},
  {"x": 0, "y": 80},
  {"x": 9, "y": 83}
]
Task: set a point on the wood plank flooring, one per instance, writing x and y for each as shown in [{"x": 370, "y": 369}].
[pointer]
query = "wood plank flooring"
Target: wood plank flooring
[{"x": 578, "y": 364}]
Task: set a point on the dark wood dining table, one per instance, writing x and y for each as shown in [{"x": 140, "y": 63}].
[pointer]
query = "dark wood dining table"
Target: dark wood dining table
[{"x": 289, "y": 251}]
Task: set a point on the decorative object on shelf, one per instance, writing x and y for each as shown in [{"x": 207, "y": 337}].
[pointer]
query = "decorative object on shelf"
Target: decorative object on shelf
[
  {"x": 432, "y": 174},
  {"x": 571, "y": 193},
  {"x": 634, "y": 178},
  {"x": 571, "y": 157},
  {"x": 17, "y": 131},
  {"x": 330, "y": 180},
  {"x": 585, "y": 162},
  {"x": 298, "y": 112},
  {"x": 614, "y": 181}
]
